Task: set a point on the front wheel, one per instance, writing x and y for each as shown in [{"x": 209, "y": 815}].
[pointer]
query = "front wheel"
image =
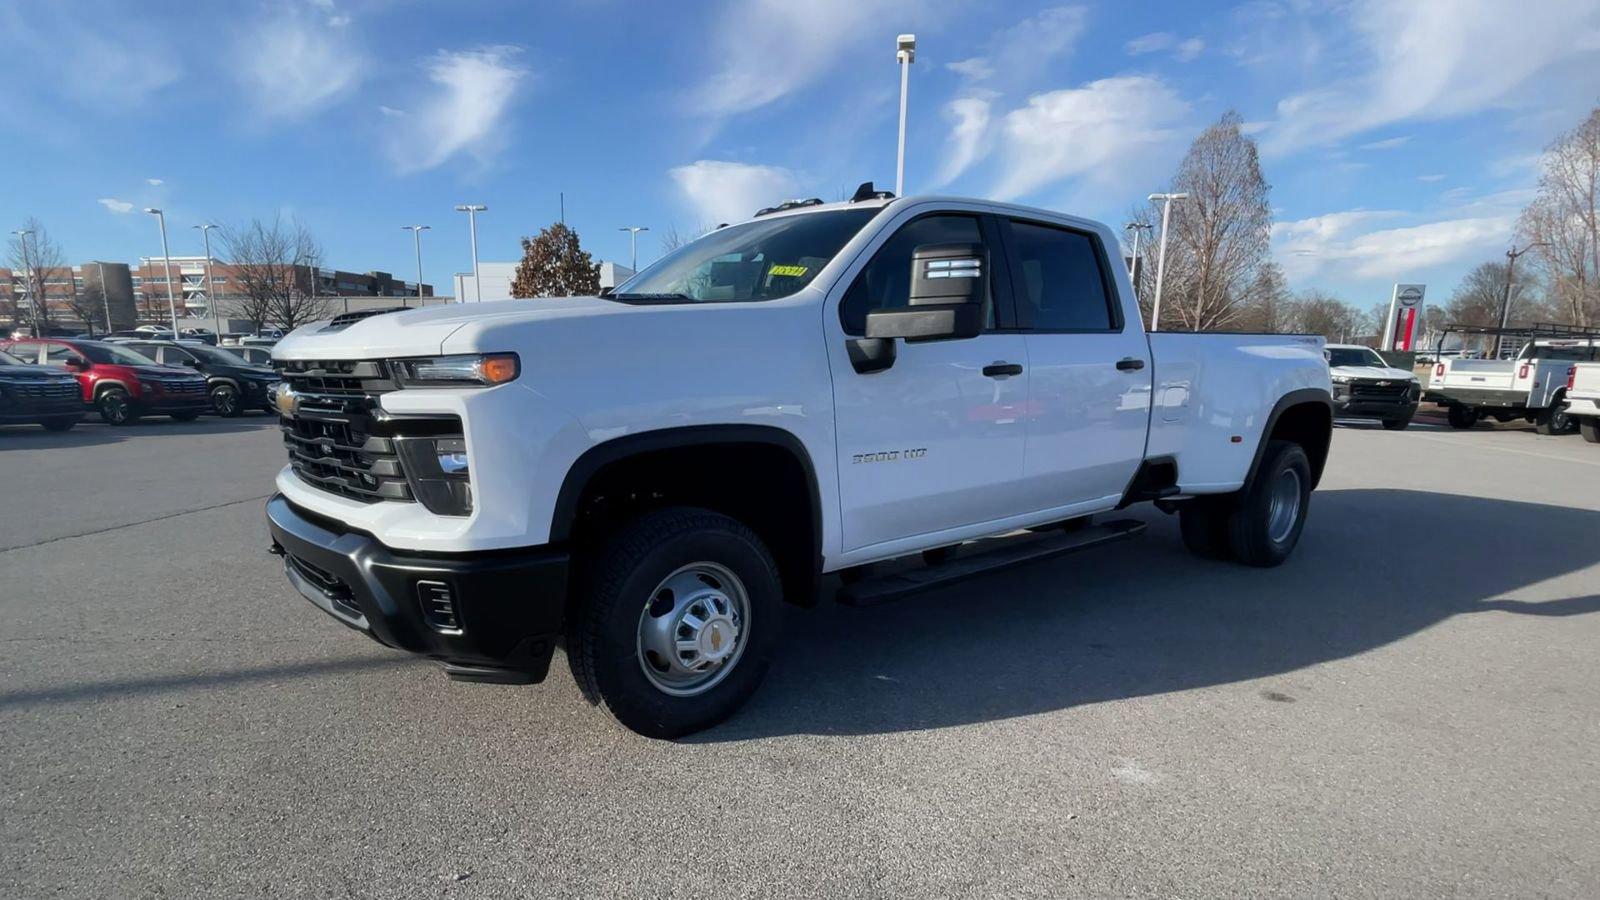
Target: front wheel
[
  {"x": 1396, "y": 424},
  {"x": 115, "y": 408},
  {"x": 1553, "y": 419},
  {"x": 1266, "y": 522},
  {"x": 679, "y": 617},
  {"x": 1462, "y": 416},
  {"x": 225, "y": 400}
]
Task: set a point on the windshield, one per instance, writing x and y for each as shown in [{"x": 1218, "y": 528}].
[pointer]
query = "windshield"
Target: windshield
[
  {"x": 215, "y": 356},
  {"x": 7, "y": 359},
  {"x": 1353, "y": 356},
  {"x": 111, "y": 353},
  {"x": 760, "y": 260}
]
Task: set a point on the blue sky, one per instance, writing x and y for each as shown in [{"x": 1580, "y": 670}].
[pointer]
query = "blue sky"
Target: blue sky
[{"x": 1400, "y": 136}]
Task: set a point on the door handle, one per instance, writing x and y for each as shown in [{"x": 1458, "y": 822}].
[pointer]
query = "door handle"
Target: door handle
[
  {"x": 1130, "y": 364},
  {"x": 998, "y": 369}
]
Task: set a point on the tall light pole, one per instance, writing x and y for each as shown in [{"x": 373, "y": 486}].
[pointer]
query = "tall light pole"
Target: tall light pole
[
  {"x": 416, "y": 238},
  {"x": 633, "y": 243},
  {"x": 905, "y": 53},
  {"x": 1161, "y": 255},
  {"x": 27, "y": 278},
  {"x": 472, "y": 210},
  {"x": 105, "y": 300},
  {"x": 211, "y": 283},
  {"x": 166, "y": 255},
  {"x": 1505, "y": 299},
  {"x": 1133, "y": 268}
]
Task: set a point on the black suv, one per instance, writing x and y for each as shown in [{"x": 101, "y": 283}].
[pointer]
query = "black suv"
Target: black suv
[
  {"x": 235, "y": 384},
  {"x": 38, "y": 394}
]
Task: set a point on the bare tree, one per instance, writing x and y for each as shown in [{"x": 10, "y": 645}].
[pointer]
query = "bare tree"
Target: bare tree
[
  {"x": 39, "y": 259},
  {"x": 1318, "y": 312},
  {"x": 270, "y": 265},
  {"x": 1565, "y": 219},
  {"x": 1221, "y": 234},
  {"x": 672, "y": 238},
  {"x": 1267, "y": 306},
  {"x": 1477, "y": 299},
  {"x": 89, "y": 305}
]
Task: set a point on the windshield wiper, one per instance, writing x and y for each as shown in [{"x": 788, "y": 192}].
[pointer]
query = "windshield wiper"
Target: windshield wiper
[{"x": 653, "y": 298}]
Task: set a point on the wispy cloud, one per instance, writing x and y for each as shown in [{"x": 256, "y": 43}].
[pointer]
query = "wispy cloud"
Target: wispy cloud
[
  {"x": 154, "y": 182},
  {"x": 1346, "y": 243},
  {"x": 1430, "y": 178},
  {"x": 89, "y": 53},
  {"x": 1426, "y": 61},
  {"x": 463, "y": 112},
  {"x": 969, "y": 137},
  {"x": 1016, "y": 55},
  {"x": 291, "y": 65},
  {"x": 1095, "y": 132},
  {"x": 1387, "y": 143},
  {"x": 768, "y": 49},
  {"x": 1189, "y": 50},
  {"x": 120, "y": 207},
  {"x": 1183, "y": 50},
  {"x": 720, "y": 191}
]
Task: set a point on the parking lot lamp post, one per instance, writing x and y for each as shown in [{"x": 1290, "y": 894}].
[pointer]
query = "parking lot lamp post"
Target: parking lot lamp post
[
  {"x": 27, "y": 278},
  {"x": 1133, "y": 268},
  {"x": 633, "y": 244},
  {"x": 472, "y": 210},
  {"x": 905, "y": 52},
  {"x": 166, "y": 255},
  {"x": 211, "y": 283},
  {"x": 416, "y": 238},
  {"x": 1505, "y": 299},
  {"x": 1161, "y": 254}
]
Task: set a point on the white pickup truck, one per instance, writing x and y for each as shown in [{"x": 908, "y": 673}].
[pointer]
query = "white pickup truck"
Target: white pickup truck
[
  {"x": 1583, "y": 399},
  {"x": 647, "y": 476},
  {"x": 1532, "y": 386}
]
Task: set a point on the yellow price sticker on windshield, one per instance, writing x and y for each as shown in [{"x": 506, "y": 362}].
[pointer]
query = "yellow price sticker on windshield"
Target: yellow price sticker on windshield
[{"x": 791, "y": 271}]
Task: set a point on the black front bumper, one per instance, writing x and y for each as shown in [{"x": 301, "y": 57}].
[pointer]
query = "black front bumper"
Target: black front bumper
[
  {"x": 29, "y": 410},
  {"x": 505, "y": 607}
]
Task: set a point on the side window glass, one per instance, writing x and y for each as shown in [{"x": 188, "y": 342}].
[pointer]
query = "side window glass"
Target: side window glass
[
  {"x": 1059, "y": 283},
  {"x": 58, "y": 354},
  {"x": 172, "y": 356},
  {"x": 27, "y": 352},
  {"x": 886, "y": 281}
]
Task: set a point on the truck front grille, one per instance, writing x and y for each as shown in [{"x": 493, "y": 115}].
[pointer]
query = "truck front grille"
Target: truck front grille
[
  {"x": 1379, "y": 389},
  {"x": 43, "y": 389},
  {"x": 335, "y": 441}
]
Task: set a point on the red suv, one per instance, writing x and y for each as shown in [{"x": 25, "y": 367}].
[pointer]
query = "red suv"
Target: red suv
[{"x": 118, "y": 382}]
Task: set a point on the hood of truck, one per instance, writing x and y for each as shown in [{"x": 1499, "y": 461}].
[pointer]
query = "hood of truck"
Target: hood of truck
[
  {"x": 1372, "y": 372},
  {"x": 424, "y": 331}
]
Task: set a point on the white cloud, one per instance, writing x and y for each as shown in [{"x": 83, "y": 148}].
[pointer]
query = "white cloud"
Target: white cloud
[
  {"x": 771, "y": 48},
  {"x": 154, "y": 182},
  {"x": 291, "y": 66},
  {"x": 1020, "y": 52},
  {"x": 1430, "y": 178},
  {"x": 391, "y": 112},
  {"x": 1426, "y": 61},
  {"x": 1388, "y": 143},
  {"x": 975, "y": 69},
  {"x": 720, "y": 191},
  {"x": 1150, "y": 43},
  {"x": 969, "y": 137},
  {"x": 464, "y": 111},
  {"x": 1338, "y": 243},
  {"x": 1098, "y": 131},
  {"x": 1189, "y": 49},
  {"x": 88, "y": 52},
  {"x": 120, "y": 207}
]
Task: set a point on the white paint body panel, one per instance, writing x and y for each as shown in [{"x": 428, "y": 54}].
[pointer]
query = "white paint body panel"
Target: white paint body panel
[{"x": 1063, "y": 439}]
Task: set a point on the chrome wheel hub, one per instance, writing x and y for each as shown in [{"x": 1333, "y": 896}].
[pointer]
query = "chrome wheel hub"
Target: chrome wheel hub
[
  {"x": 1283, "y": 506},
  {"x": 692, "y": 628}
]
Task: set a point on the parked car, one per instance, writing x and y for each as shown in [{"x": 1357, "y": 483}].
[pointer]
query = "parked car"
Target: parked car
[
  {"x": 652, "y": 474},
  {"x": 1531, "y": 386},
  {"x": 234, "y": 384},
  {"x": 1583, "y": 399},
  {"x": 255, "y": 356},
  {"x": 1366, "y": 387},
  {"x": 37, "y": 395},
  {"x": 120, "y": 383}
]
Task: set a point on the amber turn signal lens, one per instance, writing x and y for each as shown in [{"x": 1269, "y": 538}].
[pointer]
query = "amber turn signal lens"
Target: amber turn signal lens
[{"x": 499, "y": 368}]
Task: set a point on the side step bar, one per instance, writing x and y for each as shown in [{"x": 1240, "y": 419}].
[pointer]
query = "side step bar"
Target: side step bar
[{"x": 1012, "y": 551}]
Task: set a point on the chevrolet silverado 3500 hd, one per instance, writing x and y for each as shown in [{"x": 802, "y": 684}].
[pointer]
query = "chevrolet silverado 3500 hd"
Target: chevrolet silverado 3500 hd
[{"x": 647, "y": 476}]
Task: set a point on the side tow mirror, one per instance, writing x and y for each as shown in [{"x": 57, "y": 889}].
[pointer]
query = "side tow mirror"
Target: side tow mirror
[{"x": 948, "y": 297}]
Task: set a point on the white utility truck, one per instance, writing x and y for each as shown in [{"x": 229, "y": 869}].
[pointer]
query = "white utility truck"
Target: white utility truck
[
  {"x": 1531, "y": 386},
  {"x": 1583, "y": 399},
  {"x": 647, "y": 476}
]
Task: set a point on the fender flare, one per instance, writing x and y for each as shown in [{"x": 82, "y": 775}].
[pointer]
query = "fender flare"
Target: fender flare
[
  {"x": 1294, "y": 398},
  {"x": 213, "y": 380},
  {"x": 592, "y": 461},
  {"x": 104, "y": 383}
]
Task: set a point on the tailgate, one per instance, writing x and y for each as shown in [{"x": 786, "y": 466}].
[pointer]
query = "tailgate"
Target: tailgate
[
  {"x": 1482, "y": 374},
  {"x": 1586, "y": 381}
]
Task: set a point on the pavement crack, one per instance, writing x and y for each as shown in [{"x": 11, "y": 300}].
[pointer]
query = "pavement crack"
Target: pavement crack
[{"x": 111, "y": 528}]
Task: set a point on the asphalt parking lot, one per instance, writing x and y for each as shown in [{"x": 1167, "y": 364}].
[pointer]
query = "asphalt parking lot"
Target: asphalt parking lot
[{"x": 1408, "y": 707}]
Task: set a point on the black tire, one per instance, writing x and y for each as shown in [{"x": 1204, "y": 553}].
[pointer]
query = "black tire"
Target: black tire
[
  {"x": 1590, "y": 429},
  {"x": 1203, "y": 522},
  {"x": 1396, "y": 424},
  {"x": 603, "y": 633},
  {"x": 1462, "y": 416},
  {"x": 115, "y": 407},
  {"x": 225, "y": 401},
  {"x": 1255, "y": 534},
  {"x": 1553, "y": 419},
  {"x": 59, "y": 424},
  {"x": 186, "y": 416}
]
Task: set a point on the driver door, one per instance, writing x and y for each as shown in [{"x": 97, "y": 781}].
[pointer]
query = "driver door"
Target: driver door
[{"x": 933, "y": 444}]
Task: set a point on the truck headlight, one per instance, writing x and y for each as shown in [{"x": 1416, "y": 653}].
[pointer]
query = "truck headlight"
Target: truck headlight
[
  {"x": 1341, "y": 379},
  {"x": 438, "y": 472},
  {"x": 463, "y": 370}
]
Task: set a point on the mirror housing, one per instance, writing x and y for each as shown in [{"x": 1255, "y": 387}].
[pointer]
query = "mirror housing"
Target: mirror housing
[{"x": 948, "y": 297}]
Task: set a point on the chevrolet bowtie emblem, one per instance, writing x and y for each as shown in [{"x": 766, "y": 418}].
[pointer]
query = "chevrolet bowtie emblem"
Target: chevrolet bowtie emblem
[{"x": 716, "y": 639}]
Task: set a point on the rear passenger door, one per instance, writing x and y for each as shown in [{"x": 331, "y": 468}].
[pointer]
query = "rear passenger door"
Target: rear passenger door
[{"x": 1089, "y": 386}]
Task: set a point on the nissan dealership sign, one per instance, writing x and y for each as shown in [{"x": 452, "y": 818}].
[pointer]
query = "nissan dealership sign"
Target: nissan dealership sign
[{"x": 1405, "y": 315}]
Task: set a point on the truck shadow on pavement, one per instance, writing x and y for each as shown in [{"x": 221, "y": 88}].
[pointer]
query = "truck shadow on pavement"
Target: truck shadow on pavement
[
  {"x": 1143, "y": 617},
  {"x": 91, "y": 431}
]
